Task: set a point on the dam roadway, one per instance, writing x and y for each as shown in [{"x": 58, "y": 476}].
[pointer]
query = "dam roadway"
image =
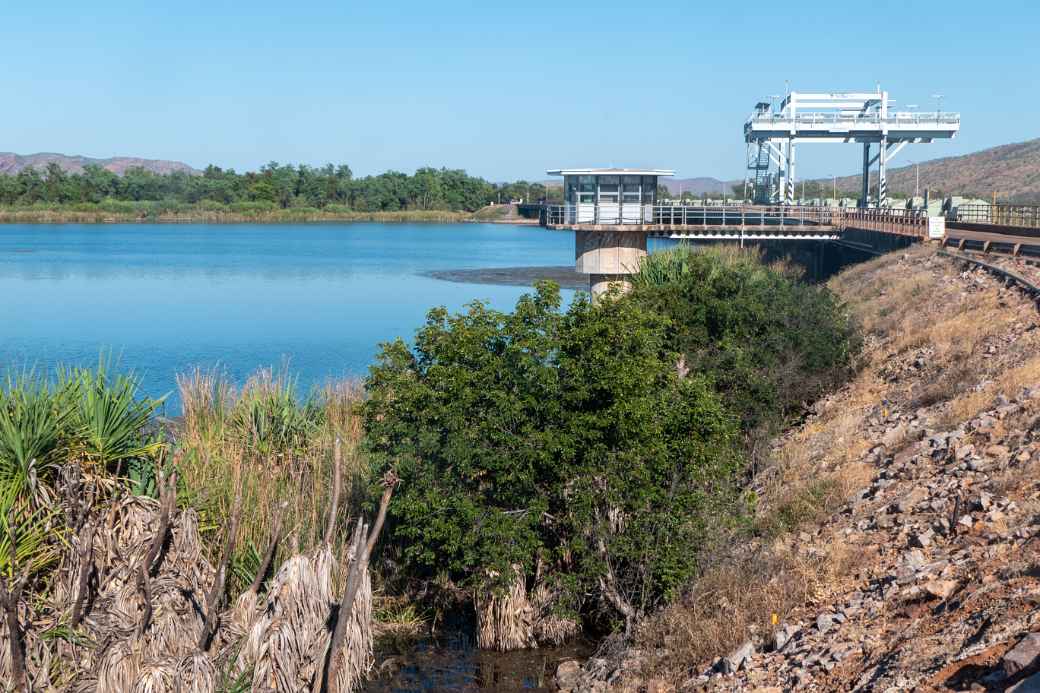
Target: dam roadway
[{"x": 610, "y": 240}]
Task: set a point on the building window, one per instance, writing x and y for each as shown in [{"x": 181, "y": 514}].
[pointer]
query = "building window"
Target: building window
[
  {"x": 630, "y": 190},
  {"x": 608, "y": 189},
  {"x": 649, "y": 189},
  {"x": 587, "y": 189}
]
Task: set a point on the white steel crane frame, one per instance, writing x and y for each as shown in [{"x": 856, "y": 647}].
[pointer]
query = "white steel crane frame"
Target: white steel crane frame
[{"x": 863, "y": 117}]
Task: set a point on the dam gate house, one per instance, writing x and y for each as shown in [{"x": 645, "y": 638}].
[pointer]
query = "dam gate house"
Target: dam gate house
[
  {"x": 608, "y": 195},
  {"x": 610, "y": 210}
]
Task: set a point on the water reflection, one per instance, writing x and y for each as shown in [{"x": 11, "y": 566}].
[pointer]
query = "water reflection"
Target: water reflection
[{"x": 452, "y": 662}]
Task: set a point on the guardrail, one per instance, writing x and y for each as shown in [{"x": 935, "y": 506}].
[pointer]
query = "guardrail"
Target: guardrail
[
  {"x": 1006, "y": 229},
  {"x": 905, "y": 222},
  {"x": 686, "y": 215},
  {"x": 1027, "y": 216},
  {"x": 824, "y": 118}
]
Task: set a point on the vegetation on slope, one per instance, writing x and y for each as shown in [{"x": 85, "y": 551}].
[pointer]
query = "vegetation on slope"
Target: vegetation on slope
[
  {"x": 1012, "y": 171},
  {"x": 940, "y": 368}
]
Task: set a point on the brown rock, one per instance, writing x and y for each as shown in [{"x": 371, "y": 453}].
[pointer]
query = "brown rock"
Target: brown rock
[
  {"x": 910, "y": 500},
  {"x": 941, "y": 589},
  {"x": 568, "y": 675},
  {"x": 1022, "y": 655}
]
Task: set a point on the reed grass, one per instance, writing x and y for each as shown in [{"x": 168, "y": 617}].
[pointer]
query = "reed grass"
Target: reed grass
[{"x": 285, "y": 446}]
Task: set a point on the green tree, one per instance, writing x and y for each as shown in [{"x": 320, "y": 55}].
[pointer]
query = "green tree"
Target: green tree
[
  {"x": 566, "y": 440},
  {"x": 769, "y": 342}
]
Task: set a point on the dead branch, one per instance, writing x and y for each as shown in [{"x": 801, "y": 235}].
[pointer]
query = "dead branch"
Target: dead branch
[
  {"x": 355, "y": 577},
  {"x": 337, "y": 475},
  {"x": 152, "y": 559},
  {"x": 167, "y": 504},
  {"x": 216, "y": 594},
  {"x": 390, "y": 481},
  {"x": 86, "y": 564},
  {"x": 265, "y": 564},
  {"x": 10, "y": 596},
  {"x": 144, "y": 586}
]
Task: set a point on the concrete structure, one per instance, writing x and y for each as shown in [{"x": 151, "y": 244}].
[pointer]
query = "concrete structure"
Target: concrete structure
[
  {"x": 609, "y": 210},
  {"x": 862, "y": 117}
]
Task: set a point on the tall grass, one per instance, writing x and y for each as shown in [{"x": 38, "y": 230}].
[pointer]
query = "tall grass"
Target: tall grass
[
  {"x": 278, "y": 445},
  {"x": 672, "y": 265}
]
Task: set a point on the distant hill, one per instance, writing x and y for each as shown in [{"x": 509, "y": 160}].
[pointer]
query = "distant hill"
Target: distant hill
[
  {"x": 13, "y": 163},
  {"x": 1011, "y": 170}
]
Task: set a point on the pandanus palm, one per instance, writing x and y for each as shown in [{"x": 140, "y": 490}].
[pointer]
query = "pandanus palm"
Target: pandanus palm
[
  {"x": 109, "y": 420},
  {"x": 33, "y": 421}
]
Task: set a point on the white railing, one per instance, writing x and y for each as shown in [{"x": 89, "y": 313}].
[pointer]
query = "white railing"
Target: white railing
[
  {"x": 909, "y": 222},
  {"x": 612, "y": 214},
  {"x": 828, "y": 118}
]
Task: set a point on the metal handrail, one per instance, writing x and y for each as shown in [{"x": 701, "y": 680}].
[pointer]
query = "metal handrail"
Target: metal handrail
[
  {"x": 690, "y": 215},
  {"x": 911, "y": 222},
  {"x": 1023, "y": 216},
  {"x": 825, "y": 117}
]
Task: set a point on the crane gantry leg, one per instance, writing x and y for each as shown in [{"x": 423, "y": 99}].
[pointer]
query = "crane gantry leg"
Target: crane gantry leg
[
  {"x": 882, "y": 199},
  {"x": 864, "y": 194}
]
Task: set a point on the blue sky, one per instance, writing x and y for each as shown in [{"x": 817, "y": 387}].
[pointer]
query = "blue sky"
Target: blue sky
[{"x": 503, "y": 90}]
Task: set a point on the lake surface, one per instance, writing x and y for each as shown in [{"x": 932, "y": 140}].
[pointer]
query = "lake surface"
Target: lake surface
[{"x": 164, "y": 298}]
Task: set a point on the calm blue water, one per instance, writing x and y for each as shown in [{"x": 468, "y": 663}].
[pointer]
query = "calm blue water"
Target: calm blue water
[{"x": 165, "y": 298}]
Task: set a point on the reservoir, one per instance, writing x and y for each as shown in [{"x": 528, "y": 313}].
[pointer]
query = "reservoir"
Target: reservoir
[{"x": 315, "y": 298}]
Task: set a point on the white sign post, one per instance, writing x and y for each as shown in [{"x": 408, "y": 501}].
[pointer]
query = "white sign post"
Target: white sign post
[{"x": 936, "y": 228}]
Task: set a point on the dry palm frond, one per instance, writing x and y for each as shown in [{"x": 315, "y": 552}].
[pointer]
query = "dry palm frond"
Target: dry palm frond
[
  {"x": 196, "y": 673},
  {"x": 550, "y": 627},
  {"x": 286, "y": 641},
  {"x": 156, "y": 678},
  {"x": 131, "y": 542},
  {"x": 504, "y": 617},
  {"x": 118, "y": 668},
  {"x": 355, "y": 657}
]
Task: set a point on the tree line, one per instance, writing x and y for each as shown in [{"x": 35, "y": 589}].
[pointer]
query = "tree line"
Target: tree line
[{"x": 276, "y": 185}]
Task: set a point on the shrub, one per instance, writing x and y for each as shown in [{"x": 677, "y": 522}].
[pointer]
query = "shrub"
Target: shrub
[
  {"x": 564, "y": 443},
  {"x": 769, "y": 342}
]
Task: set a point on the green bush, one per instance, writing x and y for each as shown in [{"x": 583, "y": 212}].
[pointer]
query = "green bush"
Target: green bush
[
  {"x": 769, "y": 342},
  {"x": 561, "y": 440}
]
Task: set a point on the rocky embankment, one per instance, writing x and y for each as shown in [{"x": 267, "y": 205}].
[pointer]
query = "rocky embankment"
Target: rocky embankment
[{"x": 923, "y": 571}]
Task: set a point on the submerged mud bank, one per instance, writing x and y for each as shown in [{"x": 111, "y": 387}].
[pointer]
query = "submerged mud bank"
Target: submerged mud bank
[{"x": 564, "y": 276}]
